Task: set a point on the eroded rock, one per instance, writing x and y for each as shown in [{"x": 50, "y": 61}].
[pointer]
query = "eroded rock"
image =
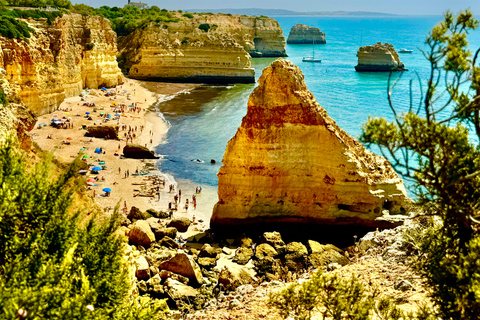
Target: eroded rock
[
  {"x": 141, "y": 234},
  {"x": 303, "y": 34},
  {"x": 378, "y": 58}
]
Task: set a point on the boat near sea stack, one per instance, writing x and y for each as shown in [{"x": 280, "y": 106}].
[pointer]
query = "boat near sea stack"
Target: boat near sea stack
[{"x": 403, "y": 50}]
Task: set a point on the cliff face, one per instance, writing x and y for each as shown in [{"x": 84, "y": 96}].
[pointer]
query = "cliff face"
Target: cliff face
[
  {"x": 379, "y": 57},
  {"x": 182, "y": 51},
  {"x": 290, "y": 163},
  {"x": 301, "y": 33},
  {"x": 16, "y": 120},
  {"x": 58, "y": 60}
]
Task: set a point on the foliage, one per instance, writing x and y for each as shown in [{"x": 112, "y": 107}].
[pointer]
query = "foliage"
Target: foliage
[
  {"x": 437, "y": 146},
  {"x": 50, "y": 267},
  {"x": 128, "y": 19},
  {"x": 327, "y": 294},
  {"x": 89, "y": 46},
  {"x": 13, "y": 28},
  {"x": 204, "y": 26},
  {"x": 36, "y": 14},
  {"x": 188, "y": 15},
  {"x": 3, "y": 98},
  {"x": 39, "y": 3}
]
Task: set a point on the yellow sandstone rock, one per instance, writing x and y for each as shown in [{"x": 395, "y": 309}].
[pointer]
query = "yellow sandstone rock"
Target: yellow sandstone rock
[
  {"x": 217, "y": 53},
  {"x": 59, "y": 60},
  {"x": 290, "y": 163},
  {"x": 378, "y": 57}
]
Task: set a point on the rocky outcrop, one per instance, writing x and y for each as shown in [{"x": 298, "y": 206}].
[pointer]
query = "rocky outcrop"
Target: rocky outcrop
[
  {"x": 108, "y": 131},
  {"x": 290, "y": 163},
  {"x": 141, "y": 233},
  {"x": 60, "y": 59},
  {"x": 378, "y": 58},
  {"x": 136, "y": 151},
  {"x": 207, "y": 48},
  {"x": 303, "y": 34}
]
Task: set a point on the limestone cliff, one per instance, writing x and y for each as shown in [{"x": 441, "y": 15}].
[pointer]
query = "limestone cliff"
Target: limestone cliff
[
  {"x": 183, "y": 51},
  {"x": 301, "y": 33},
  {"x": 289, "y": 162},
  {"x": 60, "y": 59},
  {"x": 378, "y": 57},
  {"x": 16, "y": 120}
]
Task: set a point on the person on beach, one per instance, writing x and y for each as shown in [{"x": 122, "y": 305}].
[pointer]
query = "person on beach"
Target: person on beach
[{"x": 180, "y": 194}]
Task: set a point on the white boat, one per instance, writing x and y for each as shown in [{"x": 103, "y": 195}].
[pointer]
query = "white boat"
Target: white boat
[
  {"x": 403, "y": 50},
  {"x": 312, "y": 58}
]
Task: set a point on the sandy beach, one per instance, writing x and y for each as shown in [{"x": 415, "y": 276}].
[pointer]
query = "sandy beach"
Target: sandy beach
[{"x": 147, "y": 129}]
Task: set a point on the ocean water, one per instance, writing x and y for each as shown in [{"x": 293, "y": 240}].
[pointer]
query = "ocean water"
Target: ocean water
[{"x": 203, "y": 120}]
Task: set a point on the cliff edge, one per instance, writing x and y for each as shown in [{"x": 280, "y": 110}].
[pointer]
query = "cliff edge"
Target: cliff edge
[
  {"x": 207, "y": 48},
  {"x": 378, "y": 58},
  {"x": 290, "y": 163},
  {"x": 303, "y": 34},
  {"x": 60, "y": 59}
]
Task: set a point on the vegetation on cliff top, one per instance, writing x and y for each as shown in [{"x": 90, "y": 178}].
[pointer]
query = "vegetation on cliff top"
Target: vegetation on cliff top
[{"x": 51, "y": 267}]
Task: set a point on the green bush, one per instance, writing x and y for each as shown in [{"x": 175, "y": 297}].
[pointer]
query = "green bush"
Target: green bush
[
  {"x": 13, "y": 28},
  {"x": 3, "y": 98},
  {"x": 188, "y": 15},
  {"x": 50, "y": 266},
  {"x": 89, "y": 46},
  {"x": 204, "y": 26}
]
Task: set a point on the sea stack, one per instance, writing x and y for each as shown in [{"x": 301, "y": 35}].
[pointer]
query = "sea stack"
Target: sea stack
[
  {"x": 289, "y": 162},
  {"x": 303, "y": 34},
  {"x": 378, "y": 58}
]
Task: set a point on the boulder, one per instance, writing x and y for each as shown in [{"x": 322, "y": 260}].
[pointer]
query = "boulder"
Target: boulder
[
  {"x": 275, "y": 240},
  {"x": 243, "y": 255},
  {"x": 296, "y": 256},
  {"x": 208, "y": 251},
  {"x": 154, "y": 286},
  {"x": 164, "y": 274},
  {"x": 330, "y": 255},
  {"x": 207, "y": 262},
  {"x": 158, "y": 214},
  {"x": 141, "y": 234},
  {"x": 243, "y": 241},
  {"x": 181, "y": 224},
  {"x": 264, "y": 250},
  {"x": 179, "y": 291},
  {"x": 137, "y": 214},
  {"x": 169, "y": 243},
  {"x": 303, "y": 34},
  {"x": 289, "y": 163},
  {"x": 161, "y": 232},
  {"x": 101, "y": 131},
  {"x": 142, "y": 269},
  {"x": 233, "y": 275},
  {"x": 314, "y": 247},
  {"x": 180, "y": 263},
  {"x": 136, "y": 151}
]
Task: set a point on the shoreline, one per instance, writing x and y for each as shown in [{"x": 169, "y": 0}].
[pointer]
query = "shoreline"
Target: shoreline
[{"x": 66, "y": 144}]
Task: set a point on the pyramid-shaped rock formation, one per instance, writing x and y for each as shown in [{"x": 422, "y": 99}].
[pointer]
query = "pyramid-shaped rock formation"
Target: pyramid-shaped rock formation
[{"x": 289, "y": 162}]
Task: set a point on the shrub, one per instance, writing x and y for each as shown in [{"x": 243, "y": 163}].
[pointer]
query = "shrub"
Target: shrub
[
  {"x": 3, "y": 98},
  {"x": 89, "y": 46},
  {"x": 13, "y": 28},
  {"x": 50, "y": 266},
  {"x": 204, "y": 26},
  {"x": 188, "y": 15}
]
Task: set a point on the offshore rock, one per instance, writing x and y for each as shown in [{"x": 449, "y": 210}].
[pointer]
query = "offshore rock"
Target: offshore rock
[
  {"x": 289, "y": 162},
  {"x": 301, "y": 33},
  {"x": 136, "y": 151},
  {"x": 60, "y": 59},
  {"x": 378, "y": 58},
  {"x": 181, "y": 51}
]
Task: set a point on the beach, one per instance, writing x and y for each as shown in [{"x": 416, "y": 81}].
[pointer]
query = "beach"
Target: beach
[{"x": 146, "y": 127}]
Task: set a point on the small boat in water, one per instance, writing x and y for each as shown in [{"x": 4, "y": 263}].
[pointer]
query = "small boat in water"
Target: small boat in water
[
  {"x": 403, "y": 50},
  {"x": 312, "y": 58}
]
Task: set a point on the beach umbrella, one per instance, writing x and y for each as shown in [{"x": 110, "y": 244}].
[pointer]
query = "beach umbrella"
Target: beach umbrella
[
  {"x": 118, "y": 114},
  {"x": 41, "y": 124},
  {"x": 67, "y": 113},
  {"x": 90, "y": 180},
  {"x": 97, "y": 168},
  {"x": 92, "y": 184},
  {"x": 85, "y": 156},
  {"x": 109, "y": 115},
  {"x": 102, "y": 113},
  {"x": 87, "y": 112},
  {"x": 101, "y": 163},
  {"x": 69, "y": 138},
  {"x": 107, "y": 190},
  {"x": 98, "y": 150}
]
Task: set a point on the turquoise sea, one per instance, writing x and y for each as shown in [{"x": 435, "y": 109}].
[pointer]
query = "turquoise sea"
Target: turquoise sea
[{"x": 203, "y": 120}]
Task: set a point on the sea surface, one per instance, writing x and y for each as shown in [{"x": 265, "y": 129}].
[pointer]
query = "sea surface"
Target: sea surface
[{"x": 203, "y": 120}]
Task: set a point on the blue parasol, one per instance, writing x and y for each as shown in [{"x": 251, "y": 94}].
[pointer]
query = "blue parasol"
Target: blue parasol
[
  {"x": 96, "y": 168},
  {"x": 107, "y": 190}
]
